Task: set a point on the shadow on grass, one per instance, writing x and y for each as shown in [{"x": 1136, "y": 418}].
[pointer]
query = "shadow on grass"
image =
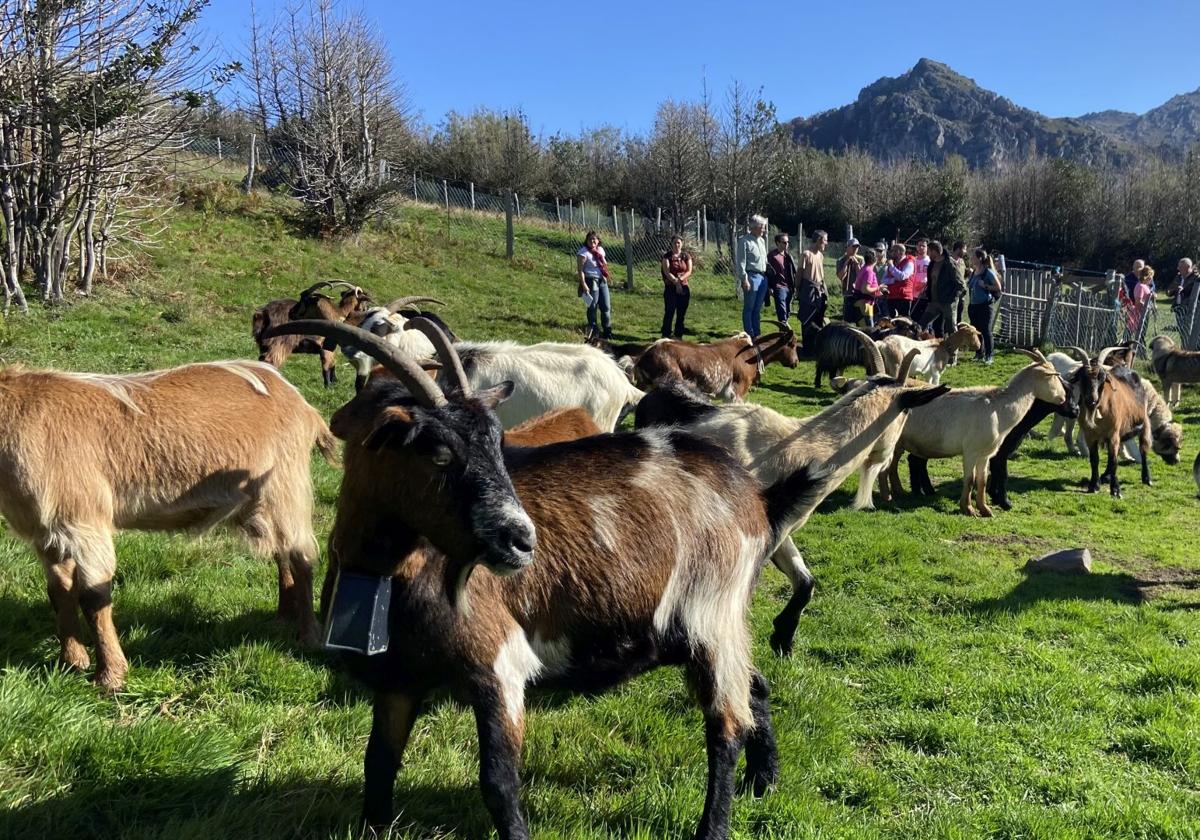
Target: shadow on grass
[
  {"x": 1117, "y": 587},
  {"x": 806, "y": 392}
]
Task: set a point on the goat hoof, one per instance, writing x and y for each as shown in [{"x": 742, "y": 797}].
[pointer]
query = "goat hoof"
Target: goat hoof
[
  {"x": 74, "y": 656},
  {"x": 758, "y": 782},
  {"x": 110, "y": 681},
  {"x": 1003, "y": 504},
  {"x": 983, "y": 511},
  {"x": 780, "y": 644}
]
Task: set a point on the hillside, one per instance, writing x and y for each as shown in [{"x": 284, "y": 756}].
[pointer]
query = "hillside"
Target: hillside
[
  {"x": 936, "y": 689},
  {"x": 1170, "y": 128}
]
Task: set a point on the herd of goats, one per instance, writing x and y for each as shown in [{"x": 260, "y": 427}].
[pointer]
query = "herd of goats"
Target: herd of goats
[{"x": 608, "y": 553}]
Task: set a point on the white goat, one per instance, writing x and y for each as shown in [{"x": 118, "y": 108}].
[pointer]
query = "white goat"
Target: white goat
[
  {"x": 934, "y": 353},
  {"x": 389, "y": 326},
  {"x": 973, "y": 422}
]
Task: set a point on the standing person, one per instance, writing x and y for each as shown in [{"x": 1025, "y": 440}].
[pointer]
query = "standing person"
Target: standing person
[
  {"x": 1184, "y": 285},
  {"x": 946, "y": 284},
  {"x": 867, "y": 291},
  {"x": 920, "y": 281},
  {"x": 811, "y": 293},
  {"x": 676, "y": 269},
  {"x": 1131, "y": 279},
  {"x": 847, "y": 272},
  {"x": 984, "y": 288},
  {"x": 781, "y": 276},
  {"x": 898, "y": 279},
  {"x": 958, "y": 253},
  {"x": 593, "y": 280},
  {"x": 1135, "y": 307},
  {"x": 749, "y": 267},
  {"x": 881, "y": 303}
]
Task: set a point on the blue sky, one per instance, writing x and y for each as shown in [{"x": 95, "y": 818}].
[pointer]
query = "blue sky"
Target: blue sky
[{"x": 574, "y": 65}]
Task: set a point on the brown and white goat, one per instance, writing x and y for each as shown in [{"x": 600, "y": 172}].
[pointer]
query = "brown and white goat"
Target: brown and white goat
[
  {"x": 856, "y": 433},
  {"x": 1112, "y": 407},
  {"x": 1174, "y": 367},
  {"x": 725, "y": 369},
  {"x": 276, "y": 350},
  {"x": 935, "y": 353},
  {"x": 608, "y": 556},
  {"x": 85, "y": 455}
]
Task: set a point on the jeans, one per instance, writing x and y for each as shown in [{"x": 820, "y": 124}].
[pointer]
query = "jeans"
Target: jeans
[
  {"x": 598, "y": 289},
  {"x": 900, "y": 308},
  {"x": 752, "y": 304},
  {"x": 782, "y": 296},
  {"x": 981, "y": 319},
  {"x": 675, "y": 305},
  {"x": 940, "y": 317}
]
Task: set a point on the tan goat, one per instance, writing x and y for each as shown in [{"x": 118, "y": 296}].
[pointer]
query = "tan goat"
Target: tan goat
[{"x": 85, "y": 455}]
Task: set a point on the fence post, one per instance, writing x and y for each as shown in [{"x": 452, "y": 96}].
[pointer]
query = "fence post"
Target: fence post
[
  {"x": 616, "y": 223},
  {"x": 570, "y": 213},
  {"x": 703, "y": 230},
  {"x": 628, "y": 250},
  {"x": 1078, "y": 312},
  {"x": 658, "y": 221},
  {"x": 849, "y": 232},
  {"x": 414, "y": 186},
  {"x": 472, "y": 195},
  {"x": 219, "y": 155},
  {"x": 1048, "y": 315},
  {"x": 557, "y": 211},
  {"x": 1191, "y": 321},
  {"x": 379, "y": 177},
  {"x": 508, "y": 224},
  {"x": 1003, "y": 274},
  {"x": 446, "y": 194},
  {"x": 248, "y": 182}
]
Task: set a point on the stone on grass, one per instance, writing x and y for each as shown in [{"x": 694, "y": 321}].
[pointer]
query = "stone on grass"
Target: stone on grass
[{"x": 1066, "y": 560}]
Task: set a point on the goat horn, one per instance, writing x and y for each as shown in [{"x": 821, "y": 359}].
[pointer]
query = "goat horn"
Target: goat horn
[
  {"x": 902, "y": 376},
  {"x": 314, "y": 287},
  {"x": 1036, "y": 355},
  {"x": 445, "y": 350},
  {"x": 424, "y": 389},
  {"x": 1102, "y": 359},
  {"x": 782, "y": 326},
  {"x": 1079, "y": 353},
  {"x": 874, "y": 360},
  {"x": 399, "y": 303}
]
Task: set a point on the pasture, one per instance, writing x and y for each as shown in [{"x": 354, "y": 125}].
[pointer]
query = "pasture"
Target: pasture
[{"x": 935, "y": 690}]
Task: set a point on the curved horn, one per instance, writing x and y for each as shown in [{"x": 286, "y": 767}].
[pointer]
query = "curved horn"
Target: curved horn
[
  {"x": 782, "y": 326},
  {"x": 399, "y": 303},
  {"x": 316, "y": 286},
  {"x": 445, "y": 350},
  {"x": 424, "y": 389},
  {"x": 1036, "y": 355},
  {"x": 874, "y": 359},
  {"x": 1079, "y": 353},
  {"x": 1102, "y": 358},
  {"x": 902, "y": 376}
]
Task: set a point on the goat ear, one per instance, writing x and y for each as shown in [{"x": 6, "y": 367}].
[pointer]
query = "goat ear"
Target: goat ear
[
  {"x": 920, "y": 396},
  {"x": 394, "y": 426},
  {"x": 492, "y": 397}
]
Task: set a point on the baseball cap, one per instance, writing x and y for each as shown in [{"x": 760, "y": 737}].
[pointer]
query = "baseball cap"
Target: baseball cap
[{"x": 851, "y": 242}]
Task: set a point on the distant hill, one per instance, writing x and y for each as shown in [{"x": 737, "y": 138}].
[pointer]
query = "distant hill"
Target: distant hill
[
  {"x": 1170, "y": 128},
  {"x": 931, "y": 112}
]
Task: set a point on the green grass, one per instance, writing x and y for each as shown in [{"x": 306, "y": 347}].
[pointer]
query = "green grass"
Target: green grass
[{"x": 935, "y": 690}]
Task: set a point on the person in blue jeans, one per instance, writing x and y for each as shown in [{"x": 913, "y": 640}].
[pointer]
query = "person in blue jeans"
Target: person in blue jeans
[
  {"x": 592, "y": 266},
  {"x": 749, "y": 268},
  {"x": 781, "y": 277}
]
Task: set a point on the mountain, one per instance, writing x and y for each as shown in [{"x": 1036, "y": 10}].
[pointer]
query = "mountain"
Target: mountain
[
  {"x": 1170, "y": 128},
  {"x": 931, "y": 112}
]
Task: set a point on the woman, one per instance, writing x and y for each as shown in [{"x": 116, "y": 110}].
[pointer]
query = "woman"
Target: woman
[
  {"x": 866, "y": 290},
  {"x": 1134, "y": 303},
  {"x": 676, "y": 269},
  {"x": 984, "y": 290},
  {"x": 593, "y": 282}
]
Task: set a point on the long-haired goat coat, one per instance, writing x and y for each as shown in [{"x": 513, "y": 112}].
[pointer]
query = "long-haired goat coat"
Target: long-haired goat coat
[{"x": 85, "y": 455}]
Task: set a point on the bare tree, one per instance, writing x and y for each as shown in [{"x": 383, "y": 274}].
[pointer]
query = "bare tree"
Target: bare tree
[
  {"x": 746, "y": 149},
  {"x": 676, "y": 158}
]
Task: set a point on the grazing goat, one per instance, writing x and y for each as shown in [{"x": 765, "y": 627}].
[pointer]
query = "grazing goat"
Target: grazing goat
[
  {"x": 725, "y": 369},
  {"x": 1112, "y": 406},
  {"x": 935, "y": 354},
  {"x": 85, "y": 455},
  {"x": 837, "y": 348},
  {"x": 856, "y": 433},
  {"x": 384, "y": 321},
  {"x": 973, "y": 422},
  {"x": 1174, "y": 367},
  {"x": 275, "y": 351},
  {"x": 595, "y": 574}
]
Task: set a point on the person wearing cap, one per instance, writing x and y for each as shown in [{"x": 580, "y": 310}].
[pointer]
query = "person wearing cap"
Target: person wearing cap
[
  {"x": 847, "y": 272},
  {"x": 811, "y": 296}
]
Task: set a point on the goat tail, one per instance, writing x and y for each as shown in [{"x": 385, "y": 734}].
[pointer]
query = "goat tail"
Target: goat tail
[{"x": 327, "y": 444}]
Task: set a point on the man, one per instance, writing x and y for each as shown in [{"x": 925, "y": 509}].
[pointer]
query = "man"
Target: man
[
  {"x": 810, "y": 293},
  {"x": 958, "y": 253},
  {"x": 1183, "y": 287},
  {"x": 900, "y": 269},
  {"x": 920, "y": 281},
  {"x": 781, "y": 276},
  {"x": 947, "y": 281},
  {"x": 847, "y": 269},
  {"x": 749, "y": 267},
  {"x": 1131, "y": 279}
]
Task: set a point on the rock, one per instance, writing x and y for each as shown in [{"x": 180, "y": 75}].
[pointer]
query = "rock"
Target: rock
[{"x": 1067, "y": 560}]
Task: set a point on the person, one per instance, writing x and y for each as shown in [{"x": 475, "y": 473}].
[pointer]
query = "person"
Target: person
[
  {"x": 946, "y": 283},
  {"x": 920, "y": 281},
  {"x": 593, "y": 281},
  {"x": 811, "y": 293},
  {"x": 898, "y": 279},
  {"x": 847, "y": 273},
  {"x": 676, "y": 269},
  {"x": 866, "y": 291},
  {"x": 1131, "y": 279},
  {"x": 984, "y": 290},
  {"x": 881, "y": 303},
  {"x": 781, "y": 277},
  {"x": 958, "y": 253},
  {"x": 1134, "y": 304},
  {"x": 1184, "y": 285},
  {"x": 749, "y": 267}
]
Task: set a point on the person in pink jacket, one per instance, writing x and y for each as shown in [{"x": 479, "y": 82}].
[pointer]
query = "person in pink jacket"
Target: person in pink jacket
[{"x": 867, "y": 289}]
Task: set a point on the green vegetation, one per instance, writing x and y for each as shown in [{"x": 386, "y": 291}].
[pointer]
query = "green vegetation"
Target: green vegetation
[{"x": 935, "y": 691}]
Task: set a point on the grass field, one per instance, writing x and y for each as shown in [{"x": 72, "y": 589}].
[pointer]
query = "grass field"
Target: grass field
[{"x": 936, "y": 691}]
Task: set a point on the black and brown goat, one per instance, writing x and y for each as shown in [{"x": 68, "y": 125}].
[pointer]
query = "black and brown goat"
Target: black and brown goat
[
  {"x": 1112, "y": 407},
  {"x": 725, "y": 369},
  {"x": 596, "y": 575},
  {"x": 275, "y": 350}
]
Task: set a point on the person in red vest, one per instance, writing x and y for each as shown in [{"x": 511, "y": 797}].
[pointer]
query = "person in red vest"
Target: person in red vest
[{"x": 899, "y": 281}]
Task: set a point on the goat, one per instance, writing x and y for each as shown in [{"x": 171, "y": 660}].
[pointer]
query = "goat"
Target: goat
[
  {"x": 836, "y": 348},
  {"x": 275, "y": 351},
  {"x": 856, "y": 433},
  {"x": 597, "y": 574},
  {"x": 725, "y": 369},
  {"x": 1112, "y": 406},
  {"x": 555, "y": 426},
  {"x": 935, "y": 354},
  {"x": 384, "y": 321},
  {"x": 84, "y": 455},
  {"x": 1173, "y": 367},
  {"x": 973, "y": 422},
  {"x": 626, "y": 354}
]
